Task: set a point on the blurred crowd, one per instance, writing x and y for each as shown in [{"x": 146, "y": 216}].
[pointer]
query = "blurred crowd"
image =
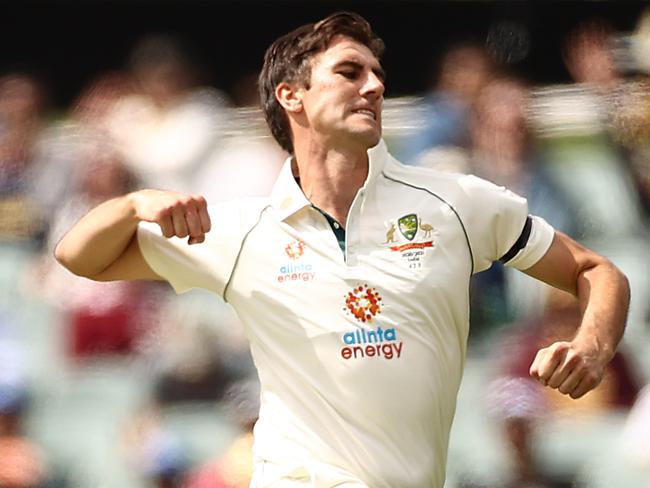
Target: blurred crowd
[{"x": 125, "y": 384}]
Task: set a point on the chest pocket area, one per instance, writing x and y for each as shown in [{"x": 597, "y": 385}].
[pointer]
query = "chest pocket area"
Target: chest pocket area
[{"x": 425, "y": 246}]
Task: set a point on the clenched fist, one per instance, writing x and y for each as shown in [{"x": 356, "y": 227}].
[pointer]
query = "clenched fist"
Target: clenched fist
[
  {"x": 569, "y": 368},
  {"x": 177, "y": 214}
]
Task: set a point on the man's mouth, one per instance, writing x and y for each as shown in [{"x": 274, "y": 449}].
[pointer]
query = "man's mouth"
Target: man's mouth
[{"x": 366, "y": 111}]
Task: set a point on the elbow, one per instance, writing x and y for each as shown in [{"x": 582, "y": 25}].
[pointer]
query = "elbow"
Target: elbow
[
  {"x": 67, "y": 260},
  {"x": 64, "y": 259},
  {"x": 608, "y": 274},
  {"x": 61, "y": 257},
  {"x": 625, "y": 285},
  {"x": 620, "y": 282}
]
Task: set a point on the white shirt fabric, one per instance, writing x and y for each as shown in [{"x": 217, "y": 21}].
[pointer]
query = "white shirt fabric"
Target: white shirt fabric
[{"x": 360, "y": 355}]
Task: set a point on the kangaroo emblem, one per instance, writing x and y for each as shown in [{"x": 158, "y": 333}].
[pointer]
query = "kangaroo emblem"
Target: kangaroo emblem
[
  {"x": 390, "y": 233},
  {"x": 427, "y": 228}
]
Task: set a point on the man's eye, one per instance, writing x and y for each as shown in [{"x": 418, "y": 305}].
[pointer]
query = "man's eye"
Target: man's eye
[{"x": 349, "y": 74}]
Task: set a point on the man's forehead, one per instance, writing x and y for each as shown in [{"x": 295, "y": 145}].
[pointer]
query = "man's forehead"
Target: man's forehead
[{"x": 344, "y": 48}]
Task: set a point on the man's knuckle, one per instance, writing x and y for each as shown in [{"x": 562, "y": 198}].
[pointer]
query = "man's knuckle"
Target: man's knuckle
[
  {"x": 592, "y": 378},
  {"x": 178, "y": 202},
  {"x": 162, "y": 212},
  {"x": 575, "y": 361},
  {"x": 557, "y": 347}
]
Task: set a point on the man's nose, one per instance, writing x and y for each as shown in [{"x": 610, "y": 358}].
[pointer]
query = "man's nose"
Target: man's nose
[{"x": 373, "y": 85}]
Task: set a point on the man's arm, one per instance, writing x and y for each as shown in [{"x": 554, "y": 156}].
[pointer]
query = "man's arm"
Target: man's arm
[
  {"x": 576, "y": 367},
  {"x": 103, "y": 246}
]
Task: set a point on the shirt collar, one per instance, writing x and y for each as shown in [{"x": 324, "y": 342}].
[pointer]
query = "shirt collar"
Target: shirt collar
[{"x": 287, "y": 196}]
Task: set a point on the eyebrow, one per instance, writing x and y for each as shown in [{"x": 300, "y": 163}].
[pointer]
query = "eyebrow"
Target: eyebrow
[{"x": 378, "y": 70}]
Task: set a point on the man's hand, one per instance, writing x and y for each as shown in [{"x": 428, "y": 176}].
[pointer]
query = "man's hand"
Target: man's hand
[
  {"x": 603, "y": 293},
  {"x": 177, "y": 214},
  {"x": 103, "y": 245},
  {"x": 569, "y": 367}
]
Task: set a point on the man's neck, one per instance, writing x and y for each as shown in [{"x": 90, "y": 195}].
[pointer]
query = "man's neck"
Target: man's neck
[{"x": 330, "y": 178}]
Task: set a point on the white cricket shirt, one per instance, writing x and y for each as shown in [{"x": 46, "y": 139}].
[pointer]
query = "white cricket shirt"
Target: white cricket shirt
[{"x": 360, "y": 356}]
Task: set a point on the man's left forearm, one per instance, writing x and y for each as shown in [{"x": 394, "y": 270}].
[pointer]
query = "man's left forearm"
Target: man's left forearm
[
  {"x": 578, "y": 366},
  {"x": 604, "y": 295}
]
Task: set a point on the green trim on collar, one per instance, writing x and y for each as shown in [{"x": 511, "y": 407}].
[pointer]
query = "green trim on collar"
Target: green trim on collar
[{"x": 337, "y": 228}]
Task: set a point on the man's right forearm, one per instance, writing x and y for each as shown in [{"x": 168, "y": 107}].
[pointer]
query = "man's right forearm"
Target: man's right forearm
[
  {"x": 99, "y": 238},
  {"x": 98, "y": 246}
]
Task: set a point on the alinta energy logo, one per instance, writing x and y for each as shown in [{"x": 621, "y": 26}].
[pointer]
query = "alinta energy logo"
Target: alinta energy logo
[
  {"x": 364, "y": 304},
  {"x": 295, "y": 249},
  {"x": 294, "y": 270}
]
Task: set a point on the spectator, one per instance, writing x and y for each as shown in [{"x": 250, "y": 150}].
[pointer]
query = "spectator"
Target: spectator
[
  {"x": 631, "y": 124},
  {"x": 519, "y": 405},
  {"x": 235, "y": 468},
  {"x": 169, "y": 127},
  {"x": 502, "y": 151},
  {"x": 574, "y": 123},
  {"x": 249, "y": 161},
  {"x": 60, "y": 161},
  {"x": 22, "y": 463},
  {"x": 524, "y": 408},
  {"x": 154, "y": 452},
  {"x": 21, "y": 126},
  {"x": 465, "y": 68},
  {"x": 101, "y": 318},
  {"x": 198, "y": 350}
]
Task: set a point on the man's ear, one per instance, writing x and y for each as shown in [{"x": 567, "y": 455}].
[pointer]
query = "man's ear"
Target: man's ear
[{"x": 289, "y": 97}]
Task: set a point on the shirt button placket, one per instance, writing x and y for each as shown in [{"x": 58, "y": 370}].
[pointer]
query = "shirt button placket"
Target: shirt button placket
[{"x": 352, "y": 231}]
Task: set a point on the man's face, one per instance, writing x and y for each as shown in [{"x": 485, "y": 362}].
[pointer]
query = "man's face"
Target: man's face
[{"x": 346, "y": 93}]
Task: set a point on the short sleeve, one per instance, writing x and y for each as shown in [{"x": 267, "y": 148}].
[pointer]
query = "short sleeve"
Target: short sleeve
[
  {"x": 499, "y": 227},
  {"x": 536, "y": 241},
  {"x": 207, "y": 265}
]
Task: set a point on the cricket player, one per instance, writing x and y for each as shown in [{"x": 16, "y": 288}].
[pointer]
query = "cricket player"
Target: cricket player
[{"x": 352, "y": 277}]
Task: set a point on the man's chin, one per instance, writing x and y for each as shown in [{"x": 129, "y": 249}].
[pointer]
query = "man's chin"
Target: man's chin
[
  {"x": 375, "y": 141},
  {"x": 367, "y": 138},
  {"x": 370, "y": 138}
]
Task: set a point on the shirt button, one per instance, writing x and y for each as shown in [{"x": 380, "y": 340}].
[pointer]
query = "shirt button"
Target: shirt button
[
  {"x": 286, "y": 203},
  {"x": 336, "y": 225}
]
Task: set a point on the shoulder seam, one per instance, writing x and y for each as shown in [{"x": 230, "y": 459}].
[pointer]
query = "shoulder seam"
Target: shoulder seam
[
  {"x": 241, "y": 247},
  {"x": 451, "y": 207}
]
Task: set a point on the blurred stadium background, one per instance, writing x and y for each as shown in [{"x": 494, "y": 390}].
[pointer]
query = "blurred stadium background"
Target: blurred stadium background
[{"x": 126, "y": 385}]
